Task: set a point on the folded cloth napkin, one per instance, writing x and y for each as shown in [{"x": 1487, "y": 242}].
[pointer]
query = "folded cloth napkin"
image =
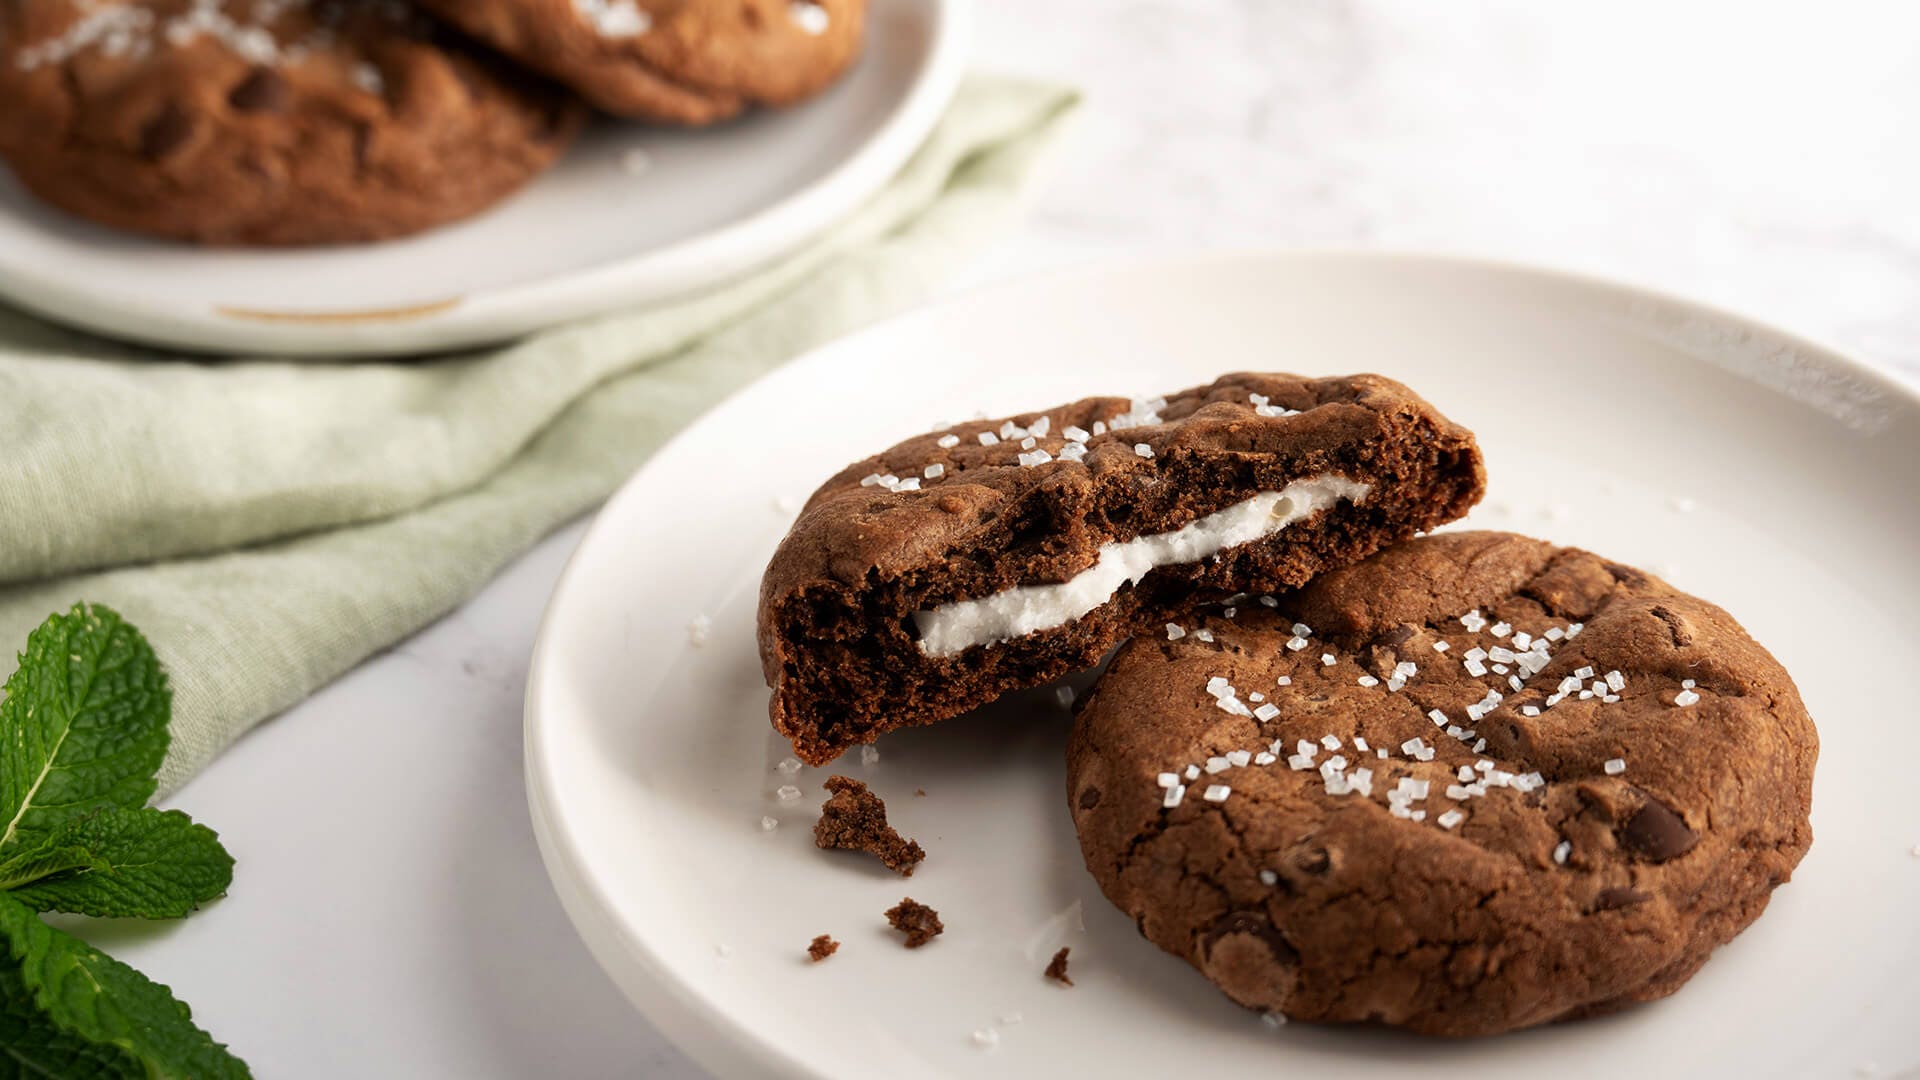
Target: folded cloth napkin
[{"x": 271, "y": 524}]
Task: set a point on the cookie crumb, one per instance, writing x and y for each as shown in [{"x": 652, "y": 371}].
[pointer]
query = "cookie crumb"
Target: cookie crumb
[
  {"x": 1057, "y": 967},
  {"x": 921, "y": 793},
  {"x": 822, "y": 947},
  {"x": 855, "y": 819},
  {"x": 919, "y": 922}
]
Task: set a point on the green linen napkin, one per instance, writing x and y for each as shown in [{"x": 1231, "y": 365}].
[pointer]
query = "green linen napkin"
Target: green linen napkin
[{"x": 271, "y": 524}]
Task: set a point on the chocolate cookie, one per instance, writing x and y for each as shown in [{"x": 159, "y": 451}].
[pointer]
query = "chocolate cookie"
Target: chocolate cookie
[
  {"x": 998, "y": 554},
  {"x": 1473, "y": 783},
  {"x": 271, "y": 122},
  {"x": 683, "y": 61}
]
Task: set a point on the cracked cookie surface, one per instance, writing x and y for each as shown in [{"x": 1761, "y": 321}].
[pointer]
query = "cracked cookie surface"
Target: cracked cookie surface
[
  {"x": 265, "y": 122},
  {"x": 680, "y": 61},
  {"x": 1474, "y": 783}
]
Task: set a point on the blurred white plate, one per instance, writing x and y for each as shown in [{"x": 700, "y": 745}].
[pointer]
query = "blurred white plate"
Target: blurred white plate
[
  {"x": 1761, "y": 471},
  {"x": 633, "y": 215}
]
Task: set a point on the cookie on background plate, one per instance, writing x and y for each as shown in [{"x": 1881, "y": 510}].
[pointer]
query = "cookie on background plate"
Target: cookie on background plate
[
  {"x": 680, "y": 61},
  {"x": 1530, "y": 785},
  {"x": 999, "y": 554},
  {"x": 269, "y": 122}
]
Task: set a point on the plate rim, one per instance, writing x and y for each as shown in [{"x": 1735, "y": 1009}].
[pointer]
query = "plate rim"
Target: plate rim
[
  {"x": 493, "y": 316},
  {"x": 718, "y": 1041}
]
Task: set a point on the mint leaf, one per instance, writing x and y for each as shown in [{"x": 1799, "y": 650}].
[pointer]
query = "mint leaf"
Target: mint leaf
[
  {"x": 31, "y": 1046},
  {"x": 88, "y": 994},
  {"x": 45, "y": 861},
  {"x": 146, "y": 864},
  {"x": 83, "y": 725}
]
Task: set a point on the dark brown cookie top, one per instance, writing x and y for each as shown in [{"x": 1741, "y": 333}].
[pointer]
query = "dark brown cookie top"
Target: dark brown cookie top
[
  {"x": 897, "y": 510},
  {"x": 264, "y": 121},
  {"x": 687, "y": 61},
  {"x": 1473, "y": 783}
]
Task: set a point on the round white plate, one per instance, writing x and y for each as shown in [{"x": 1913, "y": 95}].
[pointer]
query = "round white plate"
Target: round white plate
[
  {"x": 632, "y": 216},
  {"x": 1759, "y": 470}
]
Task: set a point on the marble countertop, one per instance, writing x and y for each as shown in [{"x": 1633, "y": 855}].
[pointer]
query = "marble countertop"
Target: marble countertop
[{"x": 392, "y": 917}]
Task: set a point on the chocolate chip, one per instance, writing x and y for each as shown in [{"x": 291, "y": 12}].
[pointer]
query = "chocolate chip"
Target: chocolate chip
[
  {"x": 1255, "y": 926},
  {"x": 167, "y": 132},
  {"x": 266, "y": 90},
  {"x": 1619, "y": 896},
  {"x": 1313, "y": 861},
  {"x": 1656, "y": 833},
  {"x": 1089, "y": 798}
]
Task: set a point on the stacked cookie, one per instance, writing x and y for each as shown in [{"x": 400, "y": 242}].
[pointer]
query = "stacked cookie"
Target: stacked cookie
[
  {"x": 286, "y": 122},
  {"x": 1458, "y": 783}
]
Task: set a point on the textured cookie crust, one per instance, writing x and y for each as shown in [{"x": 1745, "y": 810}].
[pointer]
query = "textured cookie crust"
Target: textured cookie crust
[
  {"x": 681, "y": 61},
  {"x": 953, "y": 519},
  {"x": 265, "y": 122},
  {"x": 1565, "y": 887}
]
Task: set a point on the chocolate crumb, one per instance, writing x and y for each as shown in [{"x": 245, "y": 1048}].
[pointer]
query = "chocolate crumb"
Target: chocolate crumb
[
  {"x": 855, "y": 819},
  {"x": 1057, "y": 967},
  {"x": 822, "y": 947},
  {"x": 919, "y": 922}
]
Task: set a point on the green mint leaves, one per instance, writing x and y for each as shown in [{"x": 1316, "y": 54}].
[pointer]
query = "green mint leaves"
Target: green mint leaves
[
  {"x": 83, "y": 727},
  {"x": 128, "y": 864},
  {"x": 87, "y": 993},
  {"x": 33, "y": 1046},
  {"x": 84, "y": 723}
]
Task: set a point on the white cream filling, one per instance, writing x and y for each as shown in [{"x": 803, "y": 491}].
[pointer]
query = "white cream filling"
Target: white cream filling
[{"x": 1026, "y": 609}]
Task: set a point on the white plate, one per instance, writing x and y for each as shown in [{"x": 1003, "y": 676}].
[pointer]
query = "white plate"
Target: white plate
[
  {"x": 590, "y": 236},
  {"x": 1763, "y": 472}
]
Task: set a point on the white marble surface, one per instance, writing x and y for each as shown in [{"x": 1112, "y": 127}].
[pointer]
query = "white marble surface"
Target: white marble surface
[{"x": 391, "y": 918}]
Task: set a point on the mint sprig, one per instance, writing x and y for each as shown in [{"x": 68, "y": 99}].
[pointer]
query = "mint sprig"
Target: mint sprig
[{"x": 83, "y": 728}]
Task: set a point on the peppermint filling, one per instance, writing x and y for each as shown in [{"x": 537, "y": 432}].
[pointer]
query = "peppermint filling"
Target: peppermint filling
[{"x": 1025, "y": 609}]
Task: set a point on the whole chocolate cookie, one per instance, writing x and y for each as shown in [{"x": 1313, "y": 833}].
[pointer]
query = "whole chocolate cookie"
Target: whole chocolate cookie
[
  {"x": 269, "y": 122},
  {"x": 1473, "y": 783},
  {"x": 998, "y": 554},
  {"x": 683, "y": 61}
]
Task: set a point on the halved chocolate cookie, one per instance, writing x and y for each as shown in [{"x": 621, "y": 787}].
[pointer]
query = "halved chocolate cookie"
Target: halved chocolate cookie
[
  {"x": 1474, "y": 783},
  {"x": 682, "y": 61},
  {"x": 243, "y": 122},
  {"x": 965, "y": 563}
]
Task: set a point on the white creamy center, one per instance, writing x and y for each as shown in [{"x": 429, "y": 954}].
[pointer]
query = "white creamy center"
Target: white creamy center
[{"x": 1025, "y": 609}]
